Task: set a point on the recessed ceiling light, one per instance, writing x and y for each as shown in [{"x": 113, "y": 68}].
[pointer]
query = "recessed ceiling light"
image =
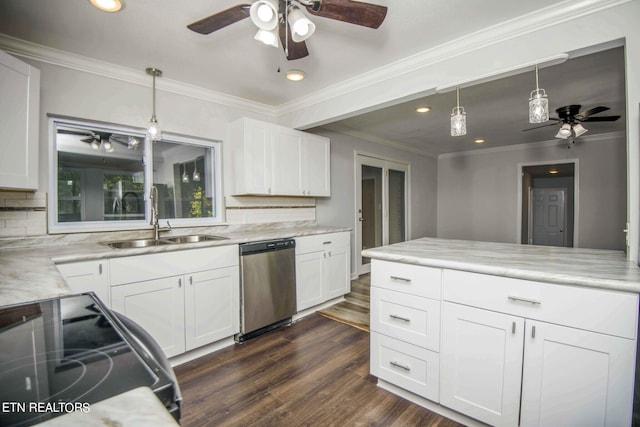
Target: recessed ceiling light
[
  {"x": 479, "y": 140},
  {"x": 107, "y": 5},
  {"x": 553, "y": 171},
  {"x": 423, "y": 109},
  {"x": 295, "y": 75}
]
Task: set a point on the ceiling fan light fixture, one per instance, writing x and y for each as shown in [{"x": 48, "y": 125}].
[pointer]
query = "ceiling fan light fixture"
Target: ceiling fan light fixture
[
  {"x": 301, "y": 27},
  {"x": 578, "y": 129},
  {"x": 107, "y": 5},
  {"x": 153, "y": 127},
  {"x": 458, "y": 118},
  {"x": 264, "y": 14},
  {"x": 538, "y": 104},
  {"x": 564, "y": 132},
  {"x": 268, "y": 37}
]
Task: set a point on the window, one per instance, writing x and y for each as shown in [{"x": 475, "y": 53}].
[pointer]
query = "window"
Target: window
[{"x": 101, "y": 179}]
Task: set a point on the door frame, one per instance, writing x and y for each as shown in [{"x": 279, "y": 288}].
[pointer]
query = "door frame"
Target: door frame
[
  {"x": 576, "y": 195},
  {"x": 361, "y": 158}
]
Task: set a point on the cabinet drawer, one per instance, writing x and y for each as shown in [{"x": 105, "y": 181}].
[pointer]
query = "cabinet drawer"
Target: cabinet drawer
[
  {"x": 608, "y": 312},
  {"x": 306, "y": 244},
  {"x": 407, "y": 366},
  {"x": 407, "y": 278},
  {"x": 408, "y": 318},
  {"x": 152, "y": 266}
]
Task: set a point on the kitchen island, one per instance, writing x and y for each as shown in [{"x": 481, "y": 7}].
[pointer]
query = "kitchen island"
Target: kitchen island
[{"x": 506, "y": 334}]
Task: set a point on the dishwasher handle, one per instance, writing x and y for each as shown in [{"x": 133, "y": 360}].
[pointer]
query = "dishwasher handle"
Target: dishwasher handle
[{"x": 267, "y": 246}]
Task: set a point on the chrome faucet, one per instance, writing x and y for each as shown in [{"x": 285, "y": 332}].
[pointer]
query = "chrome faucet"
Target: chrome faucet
[{"x": 153, "y": 195}]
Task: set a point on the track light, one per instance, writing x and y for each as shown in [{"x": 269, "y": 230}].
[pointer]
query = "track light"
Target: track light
[
  {"x": 301, "y": 27},
  {"x": 264, "y": 14},
  {"x": 564, "y": 132}
]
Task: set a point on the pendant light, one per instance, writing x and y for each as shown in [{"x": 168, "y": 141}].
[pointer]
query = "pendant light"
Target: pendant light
[
  {"x": 196, "y": 174},
  {"x": 538, "y": 104},
  {"x": 185, "y": 177},
  {"x": 153, "y": 128},
  {"x": 458, "y": 118}
]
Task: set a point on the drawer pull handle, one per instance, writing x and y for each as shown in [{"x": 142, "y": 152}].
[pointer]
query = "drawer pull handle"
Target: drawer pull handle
[
  {"x": 404, "y": 319},
  {"x": 529, "y": 300},
  {"x": 327, "y": 243},
  {"x": 400, "y": 365},
  {"x": 401, "y": 279}
]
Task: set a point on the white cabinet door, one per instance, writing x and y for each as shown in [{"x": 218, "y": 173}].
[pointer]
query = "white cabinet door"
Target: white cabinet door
[
  {"x": 285, "y": 160},
  {"x": 251, "y": 156},
  {"x": 19, "y": 118},
  {"x": 158, "y": 306},
  {"x": 211, "y": 306},
  {"x": 481, "y": 363},
  {"x": 338, "y": 270},
  {"x": 309, "y": 279},
  {"x": 573, "y": 377},
  {"x": 315, "y": 165},
  {"x": 88, "y": 276}
]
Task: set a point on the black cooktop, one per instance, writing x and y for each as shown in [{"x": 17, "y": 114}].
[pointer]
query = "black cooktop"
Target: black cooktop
[{"x": 64, "y": 354}]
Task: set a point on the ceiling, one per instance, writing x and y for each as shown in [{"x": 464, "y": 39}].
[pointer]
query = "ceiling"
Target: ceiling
[{"x": 153, "y": 33}]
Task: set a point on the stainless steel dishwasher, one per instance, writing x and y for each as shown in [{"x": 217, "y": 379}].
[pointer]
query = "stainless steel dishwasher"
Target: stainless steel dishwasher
[{"x": 267, "y": 286}]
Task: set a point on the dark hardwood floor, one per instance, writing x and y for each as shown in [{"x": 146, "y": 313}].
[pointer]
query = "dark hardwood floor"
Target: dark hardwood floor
[{"x": 313, "y": 373}]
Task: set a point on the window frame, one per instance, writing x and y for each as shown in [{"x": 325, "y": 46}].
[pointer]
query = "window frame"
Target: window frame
[{"x": 56, "y": 227}]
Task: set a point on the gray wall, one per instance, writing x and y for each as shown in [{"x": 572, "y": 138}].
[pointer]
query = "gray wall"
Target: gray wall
[
  {"x": 478, "y": 191},
  {"x": 339, "y": 209}
]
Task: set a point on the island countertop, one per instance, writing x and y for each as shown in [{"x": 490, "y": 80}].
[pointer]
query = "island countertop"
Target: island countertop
[{"x": 604, "y": 269}]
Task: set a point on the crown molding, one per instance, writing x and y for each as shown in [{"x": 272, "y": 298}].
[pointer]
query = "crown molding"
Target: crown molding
[
  {"x": 557, "y": 14},
  {"x": 72, "y": 61}
]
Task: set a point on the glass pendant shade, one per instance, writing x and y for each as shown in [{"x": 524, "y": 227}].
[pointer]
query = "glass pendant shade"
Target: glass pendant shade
[
  {"x": 458, "y": 118},
  {"x": 538, "y": 104},
  {"x": 185, "y": 177},
  {"x": 264, "y": 14},
  {"x": 301, "y": 27},
  {"x": 458, "y": 122},
  {"x": 196, "y": 174},
  {"x": 268, "y": 37},
  {"x": 578, "y": 129}
]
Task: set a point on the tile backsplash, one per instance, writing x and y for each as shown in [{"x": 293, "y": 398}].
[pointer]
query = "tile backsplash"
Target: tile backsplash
[{"x": 23, "y": 213}]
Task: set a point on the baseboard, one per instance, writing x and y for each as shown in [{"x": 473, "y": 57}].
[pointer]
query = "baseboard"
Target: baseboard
[
  {"x": 201, "y": 351},
  {"x": 311, "y": 310}
]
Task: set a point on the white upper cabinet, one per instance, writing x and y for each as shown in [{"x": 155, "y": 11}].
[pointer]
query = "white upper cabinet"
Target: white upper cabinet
[
  {"x": 268, "y": 159},
  {"x": 19, "y": 111}
]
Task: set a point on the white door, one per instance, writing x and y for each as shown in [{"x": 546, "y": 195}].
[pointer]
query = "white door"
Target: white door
[
  {"x": 337, "y": 272},
  {"x": 548, "y": 216},
  {"x": 381, "y": 205},
  {"x": 211, "y": 306},
  {"x": 285, "y": 161},
  {"x": 481, "y": 364},
  {"x": 316, "y": 165},
  {"x": 309, "y": 279},
  {"x": 573, "y": 377}
]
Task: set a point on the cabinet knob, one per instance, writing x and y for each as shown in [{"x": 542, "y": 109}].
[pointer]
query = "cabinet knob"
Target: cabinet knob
[
  {"x": 191, "y": 280},
  {"x": 100, "y": 268},
  {"x": 179, "y": 283}
]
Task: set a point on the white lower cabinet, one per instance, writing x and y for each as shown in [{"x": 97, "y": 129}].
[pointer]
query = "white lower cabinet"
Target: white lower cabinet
[
  {"x": 181, "y": 311},
  {"x": 88, "y": 276},
  {"x": 323, "y": 268}
]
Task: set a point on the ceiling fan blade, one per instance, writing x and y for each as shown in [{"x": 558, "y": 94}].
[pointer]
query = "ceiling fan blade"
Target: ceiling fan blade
[
  {"x": 594, "y": 110},
  {"x": 542, "y": 126},
  {"x": 294, "y": 50},
  {"x": 353, "y": 12},
  {"x": 601, "y": 119},
  {"x": 221, "y": 19}
]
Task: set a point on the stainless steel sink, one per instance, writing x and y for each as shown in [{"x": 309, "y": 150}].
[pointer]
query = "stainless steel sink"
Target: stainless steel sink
[
  {"x": 194, "y": 238},
  {"x": 137, "y": 243}
]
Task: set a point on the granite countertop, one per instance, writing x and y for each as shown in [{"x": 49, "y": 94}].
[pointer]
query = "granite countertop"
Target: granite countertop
[
  {"x": 136, "y": 408},
  {"x": 28, "y": 271},
  {"x": 604, "y": 269}
]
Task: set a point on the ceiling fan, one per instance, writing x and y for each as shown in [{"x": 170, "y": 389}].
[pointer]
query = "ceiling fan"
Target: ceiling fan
[
  {"x": 572, "y": 119},
  {"x": 284, "y": 20}
]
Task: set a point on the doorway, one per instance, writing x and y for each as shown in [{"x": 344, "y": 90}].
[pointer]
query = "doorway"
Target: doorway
[
  {"x": 548, "y": 209},
  {"x": 381, "y": 205}
]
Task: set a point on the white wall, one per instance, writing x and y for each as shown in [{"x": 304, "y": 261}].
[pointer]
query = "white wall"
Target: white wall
[
  {"x": 339, "y": 209},
  {"x": 478, "y": 191}
]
